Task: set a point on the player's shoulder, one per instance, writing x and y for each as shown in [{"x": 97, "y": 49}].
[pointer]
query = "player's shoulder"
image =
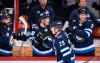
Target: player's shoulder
[{"x": 89, "y": 24}]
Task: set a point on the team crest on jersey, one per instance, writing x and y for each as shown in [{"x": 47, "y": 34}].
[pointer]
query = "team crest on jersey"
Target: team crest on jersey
[{"x": 38, "y": 12}]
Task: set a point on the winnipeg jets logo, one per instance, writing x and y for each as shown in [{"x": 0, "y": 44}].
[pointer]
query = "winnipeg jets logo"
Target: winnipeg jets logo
[{"x": 38, "y": 12}]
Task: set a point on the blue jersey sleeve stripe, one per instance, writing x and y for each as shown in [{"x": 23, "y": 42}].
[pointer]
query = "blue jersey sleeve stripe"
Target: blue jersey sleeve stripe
[
  {"x": 85, "y": 51},
  {"x": 73, "y": 58},
  {"x": 42, "y": 52},
  {"x": 67, "y": 53},
  {"x": 64, "y": 49},
  {"x": 88, "y": 33},
  {"x": 5, "y": 51},
  {"x": 88, "y": 29},
  {"x": 84, "y": 48}
]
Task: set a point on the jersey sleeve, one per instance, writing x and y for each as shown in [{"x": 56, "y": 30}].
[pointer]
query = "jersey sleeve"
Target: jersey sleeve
[{"x": 86, "y": 32}]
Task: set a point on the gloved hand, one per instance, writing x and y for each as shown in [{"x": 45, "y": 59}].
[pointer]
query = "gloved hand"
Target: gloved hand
[{"x": 20, "y": 36}]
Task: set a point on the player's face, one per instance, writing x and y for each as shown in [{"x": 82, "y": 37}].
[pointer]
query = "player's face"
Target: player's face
[
  {"x": 43, "y": 2},
  {"x": 45, "y": 22},
  {"x": 83, "y": 18},
  {"x": 55, "y": 31},
  {"x": 83, "y": 3}
]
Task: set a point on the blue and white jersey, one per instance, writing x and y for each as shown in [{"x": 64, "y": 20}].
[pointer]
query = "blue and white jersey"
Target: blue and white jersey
[
  {"x": 5, "y": 35},
  {"x": 63, "y": 50},
  {"x": 41, "y": 42},
  {"x": 83, "y": 38}
]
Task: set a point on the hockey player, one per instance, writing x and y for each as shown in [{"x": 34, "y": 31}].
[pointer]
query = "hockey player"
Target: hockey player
[
  {"x": 5, "y": 34},
  {"x": 41, "y": 35},
  {"x": 39, "y": 9},
  {"x": 61, "y": 43},
  {"x": 43, "y": 31},
  {"x": 81, "y": 29}
]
